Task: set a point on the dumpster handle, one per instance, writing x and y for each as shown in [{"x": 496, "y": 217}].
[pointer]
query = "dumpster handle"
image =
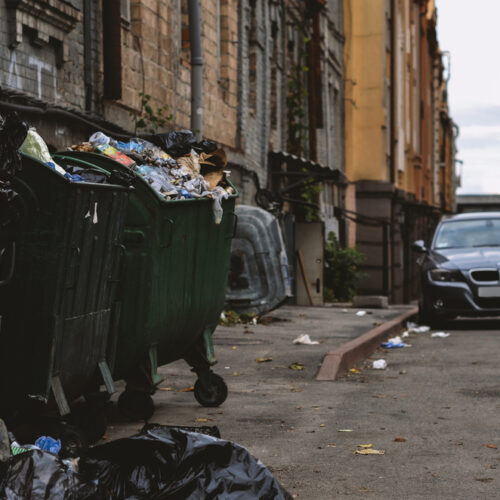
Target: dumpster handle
[
  {"x": 81, "y": 162},
  {"x": 170, "y": 222},
  {"x": 12, "y": 264}
]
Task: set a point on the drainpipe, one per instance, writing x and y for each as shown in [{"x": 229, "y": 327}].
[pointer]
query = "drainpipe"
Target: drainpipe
[
  {"x": 196, "y": 67},
  {"x": 87, "y": 54}
]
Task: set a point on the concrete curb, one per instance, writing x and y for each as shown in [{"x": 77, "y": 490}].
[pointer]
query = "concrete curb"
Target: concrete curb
[{"x": 340, "y": 360}]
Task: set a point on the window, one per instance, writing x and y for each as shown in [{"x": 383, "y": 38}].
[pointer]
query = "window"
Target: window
[
  {"x": 252, "y": 59},
  {"x": 185, "y": 33},
  {"x": 125, "y": 10}
]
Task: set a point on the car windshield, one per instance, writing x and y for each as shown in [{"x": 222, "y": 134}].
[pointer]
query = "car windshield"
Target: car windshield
[{"x": 468, "y": 233}]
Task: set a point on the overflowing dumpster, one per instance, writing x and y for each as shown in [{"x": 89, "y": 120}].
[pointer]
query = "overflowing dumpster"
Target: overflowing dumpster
[
  {"x": 57, "y": 309},
  {"x": 171, "y": 287},
  {"x": 120, "y": 267}
]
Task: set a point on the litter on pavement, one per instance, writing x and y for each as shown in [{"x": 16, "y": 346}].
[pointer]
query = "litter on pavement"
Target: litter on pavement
[
  {"x": 440, "y": 335},
  {"x": 379, "y": 364},
  {"x": 159, "y": 462},
  {"x": 361, "y": 313},
  {"x": 369, "y": 451},
  {"x": 394, "y": 343},
  {"x": 414, "y": 328},
  {"x": 305, "y": 340}
]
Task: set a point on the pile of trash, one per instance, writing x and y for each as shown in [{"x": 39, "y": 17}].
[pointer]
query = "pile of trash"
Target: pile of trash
[
  {"x": 174, "y": 164},
  {"x": 159, "y": 462},
  {"x": 35, "y": 147}
]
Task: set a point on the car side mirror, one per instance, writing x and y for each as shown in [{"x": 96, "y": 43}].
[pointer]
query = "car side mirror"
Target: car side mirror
[{"x": 419, "y": 246}]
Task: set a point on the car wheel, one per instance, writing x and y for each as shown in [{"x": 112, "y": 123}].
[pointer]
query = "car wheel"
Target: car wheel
[{"x": 426, "y": 316}]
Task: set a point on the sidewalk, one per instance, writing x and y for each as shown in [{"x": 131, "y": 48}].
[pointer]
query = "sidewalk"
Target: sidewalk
[{"x": 283, "y": 416}]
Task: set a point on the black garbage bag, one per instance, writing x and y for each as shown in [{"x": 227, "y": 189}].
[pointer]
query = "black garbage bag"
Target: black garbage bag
[
  {"x": 13, "y": 131},
  {"x": 121, "y": 178},
  {"x": 97, "y": 176},
  {"x": 38, "y": 475},
  {"x": 86, "y": 174},
  {"x": 181, "y": 142},
  {"x": 170, "y": 463},
  {"x": 10, "y": 209},
  {"x": 161, "y": 462}
]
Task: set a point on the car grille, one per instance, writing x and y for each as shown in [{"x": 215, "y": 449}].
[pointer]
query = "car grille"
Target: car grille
[{"x": 484, "y": 275}]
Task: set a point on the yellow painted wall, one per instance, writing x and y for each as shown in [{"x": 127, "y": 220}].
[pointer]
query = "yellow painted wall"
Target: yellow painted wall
[{"x": 365, "y": 70}]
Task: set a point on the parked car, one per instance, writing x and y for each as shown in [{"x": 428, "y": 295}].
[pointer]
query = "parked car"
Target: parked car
[{"x": 460, "y": 270}]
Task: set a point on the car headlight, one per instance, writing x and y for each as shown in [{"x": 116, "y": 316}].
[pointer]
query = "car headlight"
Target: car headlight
[{"x": 445, "y": 275}]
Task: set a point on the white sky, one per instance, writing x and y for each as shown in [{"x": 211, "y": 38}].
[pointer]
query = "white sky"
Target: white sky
[{"x": 470, "y": 30}]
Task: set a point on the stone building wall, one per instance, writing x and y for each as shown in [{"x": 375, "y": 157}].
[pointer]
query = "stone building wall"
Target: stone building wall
[
  {"x": 42, "y": 56},
  {"x": 61, "y": 57}
]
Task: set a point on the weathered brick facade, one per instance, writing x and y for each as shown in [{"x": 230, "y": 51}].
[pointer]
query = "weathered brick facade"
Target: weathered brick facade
[{"x": 248, "y": 47}]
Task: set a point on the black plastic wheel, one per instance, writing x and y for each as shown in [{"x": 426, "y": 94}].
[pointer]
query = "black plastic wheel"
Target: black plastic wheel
[
  {"x": 426, "y": 316},
  {"x": 213, "y": 395},
  {"x": 137, "y": 405}
]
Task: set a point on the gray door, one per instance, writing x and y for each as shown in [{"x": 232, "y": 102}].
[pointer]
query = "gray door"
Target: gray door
[{"x": 309, "y": 243}]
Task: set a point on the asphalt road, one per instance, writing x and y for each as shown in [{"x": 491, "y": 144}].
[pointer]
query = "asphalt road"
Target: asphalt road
[{"x": 440, "y": 398}]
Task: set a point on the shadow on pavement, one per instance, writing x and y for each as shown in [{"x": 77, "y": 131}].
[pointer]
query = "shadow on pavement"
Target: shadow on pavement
[{"x": 473, "y": 324}]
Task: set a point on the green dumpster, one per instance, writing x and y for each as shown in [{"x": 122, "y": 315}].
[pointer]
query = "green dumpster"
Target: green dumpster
[
  {"x": 57, "y": 309},
  {"x": 172, "y": 289}
]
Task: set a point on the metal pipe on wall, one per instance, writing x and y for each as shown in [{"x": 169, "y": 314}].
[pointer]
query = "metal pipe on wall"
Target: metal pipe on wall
[
  {"x": 87, "y": 54},
  {"x": 196, "y": 68}
]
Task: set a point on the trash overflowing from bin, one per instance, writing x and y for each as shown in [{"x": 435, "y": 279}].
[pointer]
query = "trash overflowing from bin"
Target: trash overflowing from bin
[
  {"x": 159, "y": 462},
  {"x": 176, "y": 165},
  {"x": 183, "y": 169}
]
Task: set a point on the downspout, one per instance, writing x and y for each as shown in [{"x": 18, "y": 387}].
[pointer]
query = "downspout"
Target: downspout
[
  {"x": 196, "y": 67},
  {"x": 388, "y": 244},
  {"x": 394, "y": 37},
  {"x": 87, "y": 54}
]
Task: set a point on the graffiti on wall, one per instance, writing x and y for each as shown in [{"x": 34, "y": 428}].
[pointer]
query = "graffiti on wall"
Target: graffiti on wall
[{"x": 39, "y": 68}]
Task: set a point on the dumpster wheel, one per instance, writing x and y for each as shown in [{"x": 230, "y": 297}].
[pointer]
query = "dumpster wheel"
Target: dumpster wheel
[
  {"x": 211, "y": 390},
  {"x": 136, "y": 404}
]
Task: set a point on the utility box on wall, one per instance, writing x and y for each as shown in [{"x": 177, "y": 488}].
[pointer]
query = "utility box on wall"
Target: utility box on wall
[{"x": 309, "y": 245}]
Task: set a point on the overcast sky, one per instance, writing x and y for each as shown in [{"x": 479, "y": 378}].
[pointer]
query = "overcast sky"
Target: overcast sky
[{"x": 471, "y": 32}]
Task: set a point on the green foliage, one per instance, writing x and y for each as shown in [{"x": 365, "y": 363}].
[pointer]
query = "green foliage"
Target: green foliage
[
  {"x": 342, "y": 274},
  {"x": 150, "y": 119},
  {"x": 297, "y": 129},
  {"x": 231, "y": 318},
  {"x": 310, "y": 194},
  {"x": 296, "y": 106}
]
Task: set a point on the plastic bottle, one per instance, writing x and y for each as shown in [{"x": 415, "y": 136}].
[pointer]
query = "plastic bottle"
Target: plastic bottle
[{"x": 99, "y": 139}]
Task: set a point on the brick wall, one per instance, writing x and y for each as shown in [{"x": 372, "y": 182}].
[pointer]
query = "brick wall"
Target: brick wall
[
  {"x": 246, "y": 58},
  {"x": 160, "y": 30},
  {"x": 40, "y": 59}
]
